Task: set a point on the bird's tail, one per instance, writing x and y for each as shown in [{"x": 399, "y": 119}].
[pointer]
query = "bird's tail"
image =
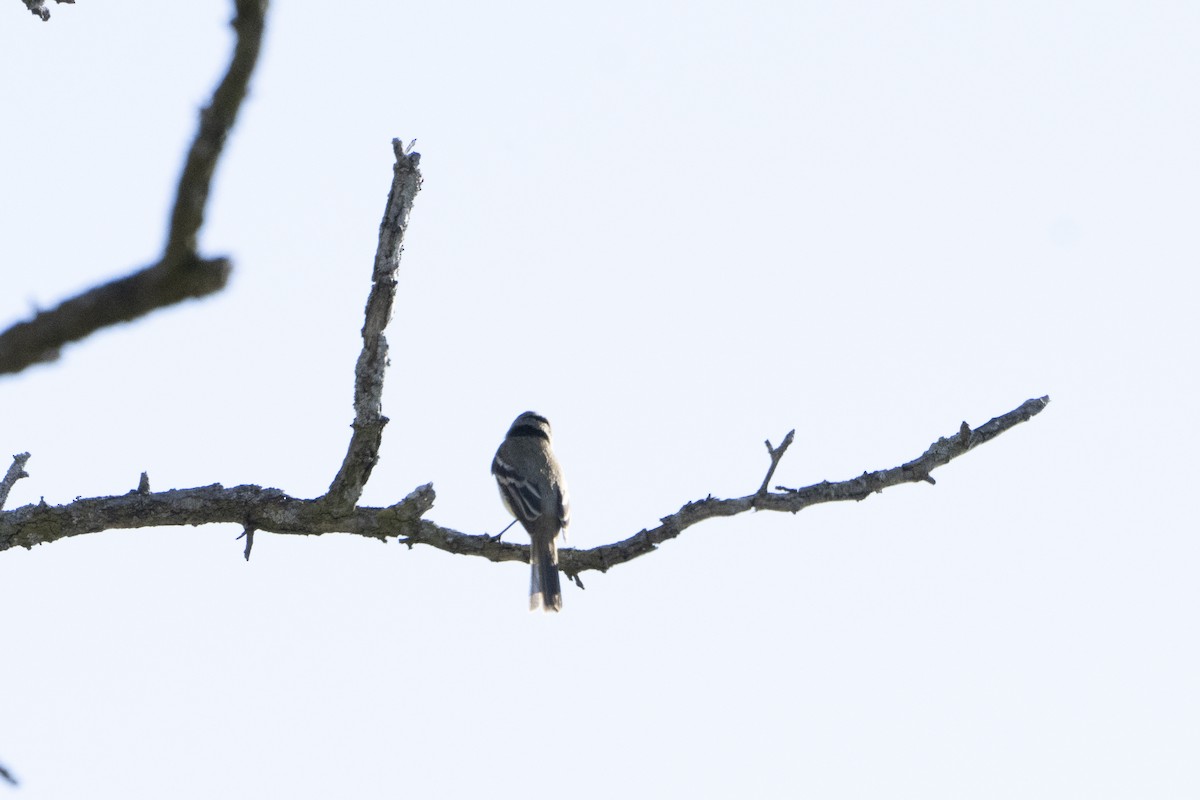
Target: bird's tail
[{"x": 545, "y": 592}]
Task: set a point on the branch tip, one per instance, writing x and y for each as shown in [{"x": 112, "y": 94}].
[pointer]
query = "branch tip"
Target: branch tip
[
  {"x": 793, "y": 500},
  {"x": 16, "y": 471}
]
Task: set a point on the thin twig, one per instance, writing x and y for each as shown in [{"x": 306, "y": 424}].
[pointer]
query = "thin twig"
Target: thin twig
[
  {"x": 14, "y": 474},
  {"x": 363, "y": 452},
  {"x": 268, "y": 510},
  {"x": 775, "y": 453},
  {"x": 181, "y": 273},
  {"x": 248, "y": 533}
]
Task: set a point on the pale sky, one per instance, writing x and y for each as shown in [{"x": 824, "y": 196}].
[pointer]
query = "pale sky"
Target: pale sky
[{"x": 675, "y": 229}]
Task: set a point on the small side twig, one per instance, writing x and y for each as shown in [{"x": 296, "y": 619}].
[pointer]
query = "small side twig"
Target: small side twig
[
  {"x": 7, "y": 776},
  {"x": 775, "y": 453},
  {"x": 363, "y": 452},
  {"x": 248, "y": 534},
  {"x": 14, "y": 474}
]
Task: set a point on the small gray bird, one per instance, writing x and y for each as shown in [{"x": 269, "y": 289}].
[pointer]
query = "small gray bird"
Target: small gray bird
[{"x": 533, "y": 491}]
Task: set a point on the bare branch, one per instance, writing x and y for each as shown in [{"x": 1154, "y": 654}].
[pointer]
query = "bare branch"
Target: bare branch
[
  {"x": 273, "y": 511},
  {"x": 38, "y": 7},
  {"x": 181, "y": 274},
  {"x": 793, "y": 500},
  {"x": 4, "y": 773},
  {"x": 363, "y": 453},
  {"x": 14, "y": 474}
]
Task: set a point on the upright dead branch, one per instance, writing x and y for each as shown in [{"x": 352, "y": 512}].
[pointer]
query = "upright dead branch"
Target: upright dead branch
[{"x": 369, "y": 420}]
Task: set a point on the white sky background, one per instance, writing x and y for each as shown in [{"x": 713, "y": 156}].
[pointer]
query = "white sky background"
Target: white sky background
[{"x": 676, "y": 230}]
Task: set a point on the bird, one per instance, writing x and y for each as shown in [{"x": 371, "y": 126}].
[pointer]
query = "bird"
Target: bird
[{"x": 532, "y": 488}]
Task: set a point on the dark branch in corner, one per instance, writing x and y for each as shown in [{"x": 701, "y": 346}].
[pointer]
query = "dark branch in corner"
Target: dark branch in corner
[
  {"x": 363, "y": 453},
  {"x": 181, "y": 274},
  {"x": 38, "y": 7},
  {"x": 273, "y": 511}
]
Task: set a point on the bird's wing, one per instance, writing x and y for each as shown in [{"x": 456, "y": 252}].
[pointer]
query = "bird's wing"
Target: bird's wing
[{"x": 520, "y": 495}]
